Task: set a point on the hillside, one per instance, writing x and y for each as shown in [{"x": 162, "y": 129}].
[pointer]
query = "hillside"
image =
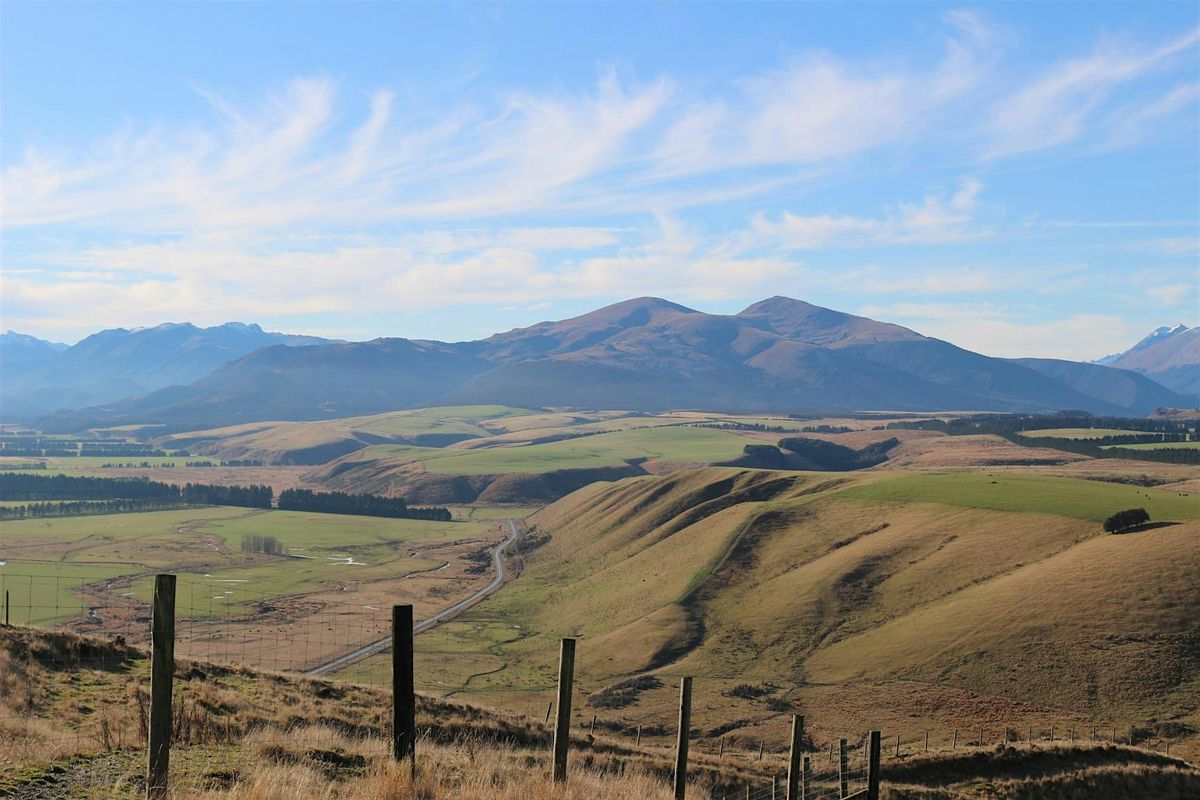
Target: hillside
[
  {"x": 120, "y": 363},
  {"x": 645, "y": 355},
  {"x": 944, "y": 597},
  {"x": 1170, "y": 356}
]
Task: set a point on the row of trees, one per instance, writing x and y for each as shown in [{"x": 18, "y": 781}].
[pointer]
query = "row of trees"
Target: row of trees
[
  {"x": 367, "y": 505},
  {"x": 83, "y": 495},
  {"x": 72, "y": 508},
  {"x": 20, "y": 486},
  {"x": 252, "y": 496}
]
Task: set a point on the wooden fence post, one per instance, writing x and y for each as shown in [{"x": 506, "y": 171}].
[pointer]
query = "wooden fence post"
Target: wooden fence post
[
  {"x": 681, "y": 747},
  {"x": 721, "y": 755},
  {"x": 761, "y": 742},
  {"x": 793, "y": 773},
  {"x": 954, "y": 742},
  {"x": 6, "y": 608},
  {"x": 927, "y": 741},
  {"x": 844, "y": 768},
  {"x": 898, "y": 742},
  {"x": 404, "y": 701},
  {"x": 873, "y": 766},
  {"x": 162, "y": 670},
  {"x": 549, "y": 706},
  {"x": 639, "y": 736},
  {"x": 805, "y": 778},
  {"x": 562, "y": 722}
]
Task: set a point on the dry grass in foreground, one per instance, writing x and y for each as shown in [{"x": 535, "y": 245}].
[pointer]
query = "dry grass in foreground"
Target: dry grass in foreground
[{"x": 72, "y": 726}]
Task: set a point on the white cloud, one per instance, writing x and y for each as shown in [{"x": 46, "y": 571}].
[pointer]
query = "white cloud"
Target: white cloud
[
  {"x": 1064, "y": 104},
  {"x": 935, "y": 219},
  {"x": 992, "y": 331}
]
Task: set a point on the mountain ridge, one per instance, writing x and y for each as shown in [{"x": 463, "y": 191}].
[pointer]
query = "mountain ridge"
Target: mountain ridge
[
  {"x": 644, "y": 354},
  {"x": 1169, "y": 355},
  {"x": 118, "y": 363}
]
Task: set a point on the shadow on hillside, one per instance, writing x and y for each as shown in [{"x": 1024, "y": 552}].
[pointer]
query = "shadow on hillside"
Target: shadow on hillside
[{"x": 1148, "y": 526}]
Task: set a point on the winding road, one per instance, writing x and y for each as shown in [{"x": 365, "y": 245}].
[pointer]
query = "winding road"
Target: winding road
[{"x": 446, "y": 613}]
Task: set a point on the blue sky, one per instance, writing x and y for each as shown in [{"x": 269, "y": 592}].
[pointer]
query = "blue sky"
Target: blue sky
[{"x": 1020, "y": 179}]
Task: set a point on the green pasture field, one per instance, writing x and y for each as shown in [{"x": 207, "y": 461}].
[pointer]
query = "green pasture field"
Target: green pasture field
[
  {"x": 68, "y": 550},
  {"x": 1156, "y": 446},
  {"x": 444, "y": 419},
  {"x": 1080, "y": 433},
  {"x": 680, "y": 445},
  {"x": 492, "y": 512},
  {"x": 1041, "y": 494}
]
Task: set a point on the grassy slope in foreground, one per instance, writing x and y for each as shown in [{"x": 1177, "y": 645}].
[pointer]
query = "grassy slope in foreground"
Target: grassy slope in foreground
[{"x": 276, "y": 736}]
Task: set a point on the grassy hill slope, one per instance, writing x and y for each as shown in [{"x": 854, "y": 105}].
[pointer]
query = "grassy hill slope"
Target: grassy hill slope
[{"x": 1000, "y": 587}]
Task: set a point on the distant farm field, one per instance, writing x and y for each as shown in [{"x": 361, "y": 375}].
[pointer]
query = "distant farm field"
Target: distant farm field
[
  {"x": 673, "y": 444},
  {"x": 1081, "y": 433},
  {"x": 204, "y": 546},
  {"x": 1157, "y": 446},
  {"x": 1044, "y": 494}
]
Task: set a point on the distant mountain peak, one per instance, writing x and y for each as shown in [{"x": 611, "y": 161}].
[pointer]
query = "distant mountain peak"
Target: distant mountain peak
[
  {"x": 815, "y": 324},
  {"x": 1159, "y": 334}
]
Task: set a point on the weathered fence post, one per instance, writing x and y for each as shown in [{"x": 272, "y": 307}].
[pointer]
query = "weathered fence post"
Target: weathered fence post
[
  {"x": 549, "y": 706},
  {"x": 592, "y": 730},
  {"x": 639, "y": 736},
  {"x": 774, "y": 787},
  {"x": 844, "y": 768},
  {"x": 954, "y": 741},
  {"x": 873, "y": 765},
  {"x": 562, "y": 722},
  {"x": 805, "y": 779},
  {"x": 6, "y": 608},
  {"x": 898, "y": 742},
  {"x": 1093, "y": 731},
  {"x": 681, "y": 747},
  {"x": 162, "y": 670},
  {"x": 927, "y": 741},
  {"x": 404, "y": 701},
  {"x": 721, "y": 755},
  {"x": 761, "y": 742},
  {"x": 793, "y": 773}
]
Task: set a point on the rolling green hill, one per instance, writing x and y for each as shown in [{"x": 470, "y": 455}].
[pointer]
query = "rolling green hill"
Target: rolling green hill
[{"x": 1002, "y": 590}]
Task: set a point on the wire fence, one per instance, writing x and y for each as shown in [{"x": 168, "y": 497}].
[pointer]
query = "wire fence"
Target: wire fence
[{"x": 93, "y": 694}]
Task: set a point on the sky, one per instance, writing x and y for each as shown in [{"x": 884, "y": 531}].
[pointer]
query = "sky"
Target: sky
[{"x": 1021, "y": 179}]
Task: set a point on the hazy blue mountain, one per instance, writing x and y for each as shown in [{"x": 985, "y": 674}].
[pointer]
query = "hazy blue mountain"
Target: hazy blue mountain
[
  {"x": 644, "y": 354},
  {"x": 120, "y": 363},
  {"x": 18, "y": 350}
]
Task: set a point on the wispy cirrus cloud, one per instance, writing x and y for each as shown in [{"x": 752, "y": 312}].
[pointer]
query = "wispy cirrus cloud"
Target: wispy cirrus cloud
[
  {"x": 936, "y": 218},
  {"x": 1071, "y": 99},
  {"x": 328, "y": 201}
]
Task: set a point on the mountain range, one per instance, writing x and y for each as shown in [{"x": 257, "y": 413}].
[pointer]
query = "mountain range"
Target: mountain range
[
  {"x": 645, "y": 354},
  {"x": 40, "y": 377},
  {"x": 1169, "y": 355}
]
